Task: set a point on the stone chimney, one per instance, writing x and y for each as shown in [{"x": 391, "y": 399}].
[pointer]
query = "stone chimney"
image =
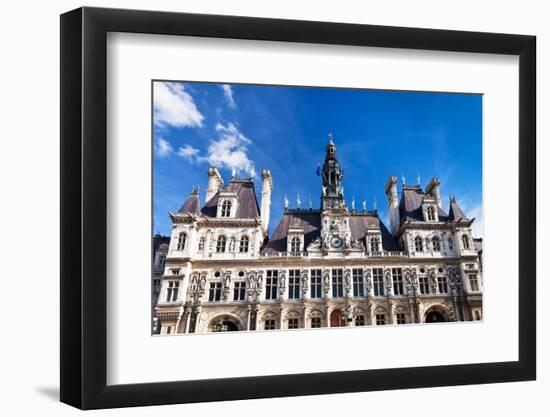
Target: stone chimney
[
  {"x": 393, "y": 203},
  {"x": 433, "y": 189},
  {"x": 267, "y": 187},
  {"x": 215, "y": 183}
]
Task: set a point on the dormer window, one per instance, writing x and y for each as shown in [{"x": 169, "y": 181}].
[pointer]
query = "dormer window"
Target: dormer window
[
  {"x": 375, "y": 244},
  {"x": 295, "y": 245},
  {"x": 226, "y": 209},
  {"x": 182, "y": 238},
  {"x": 430, "y": 213}
]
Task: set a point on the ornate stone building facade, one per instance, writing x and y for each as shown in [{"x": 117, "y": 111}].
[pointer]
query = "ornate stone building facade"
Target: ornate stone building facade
[{"x": 325, "y": 267}]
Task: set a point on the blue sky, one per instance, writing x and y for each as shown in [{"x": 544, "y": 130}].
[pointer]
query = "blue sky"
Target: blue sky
[{"x": 378, "y": 133}]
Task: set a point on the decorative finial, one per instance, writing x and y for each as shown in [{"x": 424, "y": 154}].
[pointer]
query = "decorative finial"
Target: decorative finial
[
  {"x": 233, "y": 172},
  {"x": 310, "y": 202},
  {"x": 365, "y": 205},
  {"x": 298, "y": 201},
  {"x": 418, "y": 178},
  {"x": 252, "y": 172},
  {"x": 403, "y": 179},
  {"x": 353, "y": 203},
  {"x": 375, "y": 204},
  {"x": 286, "y": 202}
]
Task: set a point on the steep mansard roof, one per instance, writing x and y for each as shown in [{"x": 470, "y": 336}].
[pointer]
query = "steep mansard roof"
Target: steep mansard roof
[
  {"x": 246, "y": 197},
  {"x": 410, "y": 207},
  {"x": 455, "y": 212},
  {"x": 310, "y": 221},
  {"x": 192, "y": 205}
]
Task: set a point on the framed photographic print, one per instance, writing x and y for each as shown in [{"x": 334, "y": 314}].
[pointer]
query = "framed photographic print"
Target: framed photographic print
[{"x": 258, "y": 208}]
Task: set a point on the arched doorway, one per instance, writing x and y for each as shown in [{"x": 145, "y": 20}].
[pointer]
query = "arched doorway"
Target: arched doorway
[
  {"x": 336, "y": 318},
  {"x": 434, "y": 317},
  {"x": 224, "y": 324}
]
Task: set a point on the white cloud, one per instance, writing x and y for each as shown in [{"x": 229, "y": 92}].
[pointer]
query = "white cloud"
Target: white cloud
[
  {"x": 173, "y": 106},
  {"x": 230, "y": 149},
  {"x": 228, "y": 93},
  {"x": 162, "y": 148},
  {"x": 188, "y": 152}
]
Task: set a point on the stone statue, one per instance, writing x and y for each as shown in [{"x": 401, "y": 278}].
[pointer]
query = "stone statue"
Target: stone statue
[{"x": 202, "y": 284}]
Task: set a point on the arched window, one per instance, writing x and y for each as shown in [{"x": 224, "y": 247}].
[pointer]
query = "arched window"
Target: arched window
[
  {"x": 182, "y": 238},
  {"x": 418, "y": 246},
  {"x": 465, "y": 242},
  {"x": 295, "y": 245},
  {"x": 375, "y": 244},
  {"x": 430, "y": 212},
  {"x": 201, "y": 244},
  {"x": 436, "y": 244},
  {"x": 226, "y": 208},
  {"x": 243, "y": 244},
  {"x": 450, "y": 243},
  {"x": 220, "y": 244}
]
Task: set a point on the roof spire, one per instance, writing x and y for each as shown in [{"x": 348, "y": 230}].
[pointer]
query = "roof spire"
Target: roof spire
[
  {"x": 353, "y": 203},
  {"x": 298, "y": 201},
  {"x": 365, "y": 205},
  {"x": 418, "y": 178},
  {"x": 375, "y": 203},
  {"x": 309, "y": 201},
  {"x": 403, "y": 179},
  {"x": 286, "y": 202}
]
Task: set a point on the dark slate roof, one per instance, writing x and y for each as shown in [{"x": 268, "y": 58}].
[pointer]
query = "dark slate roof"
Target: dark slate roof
[
  {"x": 455, "y": 212},
  {"x": 159, "y": 240},
  {"x": 359, "y": 224},
  {"x": 192, "y": 204},
  {"x": 246, "y": 197},
  {"x": 410, "y": 206},
  {"x": 310, "y": 221}
]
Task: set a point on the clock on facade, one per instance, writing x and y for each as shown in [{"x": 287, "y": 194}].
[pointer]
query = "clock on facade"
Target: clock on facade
[{"x": 336, "y": 241}]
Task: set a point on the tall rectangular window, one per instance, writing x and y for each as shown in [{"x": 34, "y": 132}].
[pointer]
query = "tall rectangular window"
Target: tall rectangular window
[
  {"x": 294, "y": 284},
  {"x": 424, "y": 285},
  {"x": 360, "y": 320},
  {"x": 239, "y": 292},
  {"x": 380, "y": 319},
  {"x": 172, "y": 291},
  {"x": 315, "y": 322},
  {"x": 378, "y": 281},
  {"x": 316, "y": 283},
  {"x": 397, "y": 276},
  {"x": 293, "y": 323},
  {"x": 269, "y": 324},
  {"x": 442, "y": 285},
  {"x": 400, "y": 318},
  {"x": 337, "y": 283},
  {"x": 215, "y": 292},
  {"x": 474, "y": 284},
  {"x": 358, "y": 288},
  {"x": 271, "y": 284}
]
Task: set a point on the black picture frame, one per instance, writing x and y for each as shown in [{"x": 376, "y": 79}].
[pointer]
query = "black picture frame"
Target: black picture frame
[{"x": 84, "y": 207}]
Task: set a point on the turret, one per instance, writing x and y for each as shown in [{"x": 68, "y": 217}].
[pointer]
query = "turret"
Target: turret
[
  {"x": 332, "y": 196},
  {"x": 267, "y": 187},
  {"x": 215, "y": 183},
  {"x": 393, "y": 203}
]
